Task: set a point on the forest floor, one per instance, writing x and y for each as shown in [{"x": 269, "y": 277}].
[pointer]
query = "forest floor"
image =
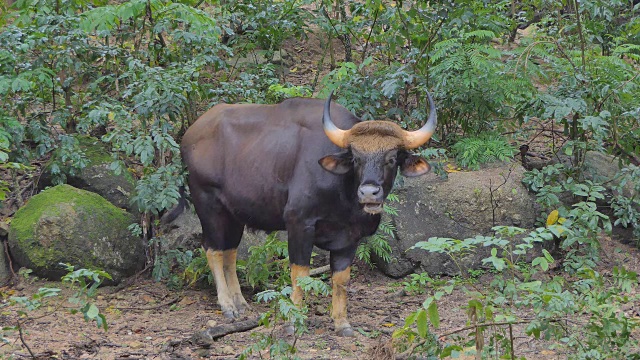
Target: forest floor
[{"x": 149, "y": 321}]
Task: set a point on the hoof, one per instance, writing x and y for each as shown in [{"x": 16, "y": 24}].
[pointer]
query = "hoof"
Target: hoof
[
  {"x": 241, "y": 305},
  {"x": 244, "y": 309},
  {"x": 229, "y": 314},
  {"x": 345, "y": 332}
]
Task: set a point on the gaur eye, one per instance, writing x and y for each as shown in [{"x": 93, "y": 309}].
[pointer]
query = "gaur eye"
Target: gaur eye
[{"x": 391, "y": 161}]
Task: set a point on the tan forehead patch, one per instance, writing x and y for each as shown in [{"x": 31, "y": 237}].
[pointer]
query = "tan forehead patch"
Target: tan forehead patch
[{"x": 376, "y": 136}]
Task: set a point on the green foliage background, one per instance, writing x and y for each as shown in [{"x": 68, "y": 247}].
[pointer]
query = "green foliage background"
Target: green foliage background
[{"x": 137, "y": 73}]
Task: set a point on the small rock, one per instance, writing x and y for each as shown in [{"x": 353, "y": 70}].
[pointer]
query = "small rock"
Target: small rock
[
  {"x": 203, "y": 353},
  {"x": 4, "y": 229},
  {"x": 228, "y": 350},
  {"x": 136, "y": 345},
  {"x": 321, "y": 310},
  {"x": 212, "y": 323}
]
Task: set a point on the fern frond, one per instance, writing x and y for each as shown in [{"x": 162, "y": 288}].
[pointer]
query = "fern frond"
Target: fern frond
[
  {"x": 444, "y": 49},
  {"x": 471, "y": 152},
  {"x": 479, "y": 35}
]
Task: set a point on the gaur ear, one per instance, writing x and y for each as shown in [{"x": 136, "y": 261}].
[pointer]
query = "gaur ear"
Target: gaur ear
[
  {"x": 338, "y": 164},
  {"x": 414, "y": 165}
]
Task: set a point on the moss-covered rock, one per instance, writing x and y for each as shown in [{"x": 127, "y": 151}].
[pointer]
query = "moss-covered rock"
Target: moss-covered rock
[
  {"x": 97, "y": 177},
  {"x": 68, "y": 225}
]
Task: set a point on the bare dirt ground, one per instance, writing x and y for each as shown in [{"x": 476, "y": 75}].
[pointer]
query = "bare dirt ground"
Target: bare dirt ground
[{"x": 149, "y": 321}]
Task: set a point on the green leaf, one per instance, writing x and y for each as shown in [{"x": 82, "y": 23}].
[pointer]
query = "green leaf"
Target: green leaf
[
  {"x": 544, "y": 264},
  {"x": 434, "y": 315},
  {"x": 421, "y": 322},
  {"x": 92, "y": 312}
]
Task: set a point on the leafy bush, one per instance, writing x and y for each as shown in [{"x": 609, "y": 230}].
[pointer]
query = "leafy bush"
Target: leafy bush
[
  {"x": 278, "y": 92},
  {"x": 268, "y": 264},
  {"x": 581, "y": 242},
  {"x": 283, "y": 311},
  {"x": 182, "y": 268},
  {"x": 267, "y": 24},
  {"x": 556, "y": 308},
  {"x": 626, "y": 209}
]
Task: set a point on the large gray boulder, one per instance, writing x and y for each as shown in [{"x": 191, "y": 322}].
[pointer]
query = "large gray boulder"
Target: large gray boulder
[
  {"x": 68, "y": 225},
  {"x": 5, "y": 274},
  {"x": 602, "y": 168},
  {"x": 463, "y": 206},
  {"x": 185, "y": 232},
  {"x": 97, "y": 176}
]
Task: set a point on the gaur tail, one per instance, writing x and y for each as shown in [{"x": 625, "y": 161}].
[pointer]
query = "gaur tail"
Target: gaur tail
[{"x": 172, "y": 214}]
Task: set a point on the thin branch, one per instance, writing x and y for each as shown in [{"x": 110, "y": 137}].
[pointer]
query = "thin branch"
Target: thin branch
[
  {"x": 366, "y": 44},
  {"x": 513, "y": 356},
  {"x": 6, "y": 252},
  {"x": 582, "y": 42},
  {"x": 170, "y": 302},
  {"x": 24, "y": 342}
]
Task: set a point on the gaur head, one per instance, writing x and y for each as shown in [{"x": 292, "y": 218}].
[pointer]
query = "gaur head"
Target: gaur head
[{"x": 373, "y": 151}]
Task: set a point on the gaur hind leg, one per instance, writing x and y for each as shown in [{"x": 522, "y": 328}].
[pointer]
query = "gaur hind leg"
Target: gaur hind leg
[
  {"x": 231, "y": 275},
  {"x": 221, "y": 234},
  {"x": 300, "y": 238}
]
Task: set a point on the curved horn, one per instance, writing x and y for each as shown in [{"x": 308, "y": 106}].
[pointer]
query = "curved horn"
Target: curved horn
[
  {"x": 336, "y": 135},
  {"x": 414, "y": 139}
]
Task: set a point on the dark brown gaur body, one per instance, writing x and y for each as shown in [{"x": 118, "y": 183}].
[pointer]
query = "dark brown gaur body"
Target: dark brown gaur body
[{"x": 290, "y": 167}]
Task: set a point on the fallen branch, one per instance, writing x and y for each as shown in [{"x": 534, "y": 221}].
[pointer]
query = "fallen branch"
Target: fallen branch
[
  {"x": 205, "y": 338},
  {"x": 320, "y": 270},
  {"x": 14, "y": 277}
]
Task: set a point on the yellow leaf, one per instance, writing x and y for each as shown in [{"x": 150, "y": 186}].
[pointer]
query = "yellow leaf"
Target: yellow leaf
[
  {"x": 388, "y": 324},
  {"x": 295, "y": 69},
  {"x": 111, "y": 116},
  {"x": 451, "y": 168},
  {"x": 553, "y": 218}
]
